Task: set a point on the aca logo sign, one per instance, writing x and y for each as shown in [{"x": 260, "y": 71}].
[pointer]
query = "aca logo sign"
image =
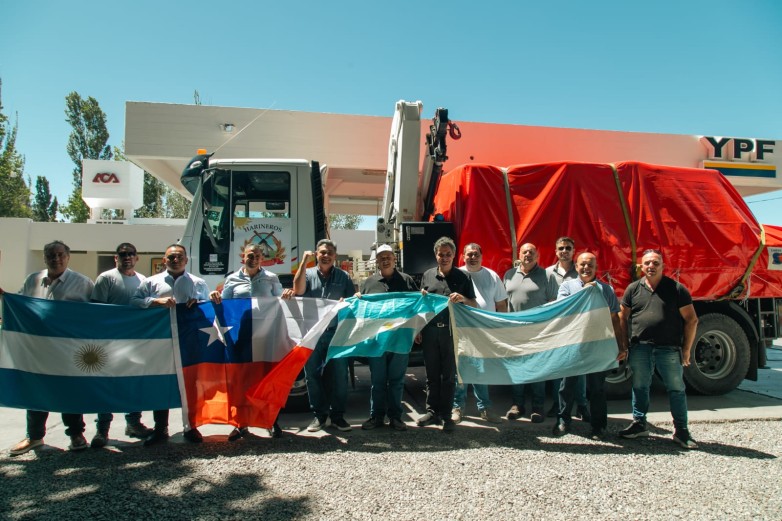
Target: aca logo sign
[{"x": 105, "y": 177}]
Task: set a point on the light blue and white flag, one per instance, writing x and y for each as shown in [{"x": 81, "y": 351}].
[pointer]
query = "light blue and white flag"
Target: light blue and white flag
[
  {"x": 568, "y": 337},
  {"x": 79, "y": 357},
  {"x": 383, "y": 322}
]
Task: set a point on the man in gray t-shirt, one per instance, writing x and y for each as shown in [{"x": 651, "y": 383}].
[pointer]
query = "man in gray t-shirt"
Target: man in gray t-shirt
[
  {"x": 529, "y": 286},
  {"x": 117, "y": 286}
]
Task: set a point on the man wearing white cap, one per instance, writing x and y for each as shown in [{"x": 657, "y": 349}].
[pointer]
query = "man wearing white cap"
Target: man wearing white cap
[{"x": 388, "y": 370}]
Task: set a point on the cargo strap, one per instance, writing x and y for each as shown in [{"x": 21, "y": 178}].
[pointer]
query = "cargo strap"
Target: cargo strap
[
  {"x": 738, "y": 289},
  {"x": 509, "y": 203},
  {"x": 628, "y": 222}
]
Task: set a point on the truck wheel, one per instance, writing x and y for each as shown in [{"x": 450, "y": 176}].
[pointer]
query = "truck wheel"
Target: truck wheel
[
  {"x": 619, "y": 381},
  {"x": 720, "y": 356},
  {"x": 298, "y": 401}
]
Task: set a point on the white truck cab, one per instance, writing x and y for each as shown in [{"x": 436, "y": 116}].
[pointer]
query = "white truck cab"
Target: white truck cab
[{"x": 277, "y": 203}]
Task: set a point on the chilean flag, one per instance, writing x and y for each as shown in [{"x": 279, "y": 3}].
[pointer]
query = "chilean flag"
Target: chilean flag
[{"x": 226, "y": 351}]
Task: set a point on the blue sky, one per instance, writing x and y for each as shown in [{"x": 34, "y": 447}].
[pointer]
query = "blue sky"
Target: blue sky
[{"x": 670, "y": 66}]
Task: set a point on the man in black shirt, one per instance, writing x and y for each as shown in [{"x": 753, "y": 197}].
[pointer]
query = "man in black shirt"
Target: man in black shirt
[
  {"x": 436, "y": 338},
  {"x": 662, "y": 325},
  {"x": 388, "y": 370}
]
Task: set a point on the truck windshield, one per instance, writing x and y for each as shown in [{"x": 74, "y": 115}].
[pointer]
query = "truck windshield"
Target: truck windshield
[{"x": 242, "y": 207}]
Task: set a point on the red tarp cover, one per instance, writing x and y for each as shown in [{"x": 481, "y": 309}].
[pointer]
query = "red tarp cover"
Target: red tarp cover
[{"x": 695, "y": 217}]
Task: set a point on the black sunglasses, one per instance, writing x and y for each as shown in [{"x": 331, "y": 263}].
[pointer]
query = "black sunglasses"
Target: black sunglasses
[{"x": 564, "y": 248}]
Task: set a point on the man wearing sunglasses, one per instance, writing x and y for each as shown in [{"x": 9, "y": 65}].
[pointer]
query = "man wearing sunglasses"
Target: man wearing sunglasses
[
  {"x": 563, "y": 270},
  {"x": 167, "y": 289},
  {"x": 117, "y": 286}
]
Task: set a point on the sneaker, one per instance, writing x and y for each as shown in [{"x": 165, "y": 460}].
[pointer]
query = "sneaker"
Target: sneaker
[
  {"x": 156, "y": 437},
  {"x": 449, "y": 425},
  {"x": 598, "y": 434},
  {"x": 536, "y": 417},
  {"x": 456, "y": 415},
  {"x": 318, "y": 424},
  {"x": 341, "y": 424},
  {"x": 372, "y": 423},
  {"x": 78, "y": 442},
  {"x": 489, "y": 416},
  {"x": 397, "y": 424},
  {"x": 138, "y": 430},
  {"x": 25, "y": 446},
  {"x": 193, "y": 436},
  {"x": 275, "y": 431},
  {"x": 514, "y": 413},
  {"x": 560, "y": 428},
  {"x": 682, "y": 437},
  {"x": 99, "y": 440},
  {"x": 636, "y": 429},
  {"x": 582, "y": 413},
  {"x": 238, "y": 433},
  {"x": 429, "y": 418}
]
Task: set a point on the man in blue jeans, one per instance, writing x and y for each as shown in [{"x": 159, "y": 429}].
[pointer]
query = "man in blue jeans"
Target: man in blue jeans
[
  {"x": 327, "y": 386},
  {"x": 662, "y": 325},
  {"x": 388, "y": 370},
  {"x": 490, "y": 295}
]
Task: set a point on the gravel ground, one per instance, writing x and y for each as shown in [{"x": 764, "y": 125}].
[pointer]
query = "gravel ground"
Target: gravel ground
[{"x": 518, "y": 471}]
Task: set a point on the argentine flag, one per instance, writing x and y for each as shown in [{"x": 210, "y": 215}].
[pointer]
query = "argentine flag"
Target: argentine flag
[
  {"x": 78, "y": 357},
  {"x": 383, "y": 322},
  {"x": 568, "y": 337}
]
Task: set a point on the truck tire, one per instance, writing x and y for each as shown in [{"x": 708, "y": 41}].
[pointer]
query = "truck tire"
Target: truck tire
[
  {"x": 619, "y": 382},
  {"x": 720, "y": 355},
  {"x": 298, "y": 400}
]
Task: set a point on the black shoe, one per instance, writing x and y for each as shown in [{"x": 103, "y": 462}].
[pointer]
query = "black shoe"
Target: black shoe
[
  {"x": 237, "y": 433},
  {"x": 372, "y": 423},
  {"x": 99, "y": 440},
  {"x": 536, "y": 417},
  {"x": 515, "y": 412},
  {"x": 636, "y": 429},
  {"x": 276, "y": 431},
  {"x": 560, "y": 428},
  {"x": 597, "y": 434},
  {"x": 449, "y": 425},
  {"x": 397, "y": 424},
  {"x": 683, "y": 438},
  {"x": 193, "y": 436},
  {"x": 341, "y": 424},
  {"x": 429, "y": 418},
  {"x": 156, "y": 437},
  {"x": 138, "y": 430}
]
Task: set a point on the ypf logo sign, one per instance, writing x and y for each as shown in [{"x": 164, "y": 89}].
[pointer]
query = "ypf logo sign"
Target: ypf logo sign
[
  {"x": 105, "y": 178},
  {"x": 774, "y": 258}
]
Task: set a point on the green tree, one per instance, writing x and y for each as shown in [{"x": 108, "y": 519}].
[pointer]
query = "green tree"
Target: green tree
[
  {"x": 14, "y": 191},
  {"x": 88, "y": 140},
  {"x": 177, "y": 206},
  {"x": 341, "y": 221},
  {"x": 44, "y": 207}
]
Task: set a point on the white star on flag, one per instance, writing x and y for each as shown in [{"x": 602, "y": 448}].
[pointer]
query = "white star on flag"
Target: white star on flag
[{"x": 216, "y": 332}]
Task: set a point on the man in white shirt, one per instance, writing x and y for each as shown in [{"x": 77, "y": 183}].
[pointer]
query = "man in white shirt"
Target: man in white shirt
[
  {"x": 56, "y": 282},
  {"x": 167, "y": 289},
  {"x": 490, "y": 295}
]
